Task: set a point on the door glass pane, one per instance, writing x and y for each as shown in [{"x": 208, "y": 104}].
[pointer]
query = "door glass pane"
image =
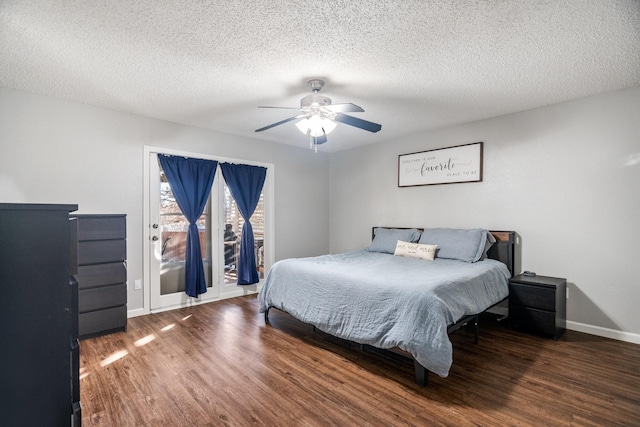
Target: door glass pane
[
  {"x": 173, "y": 229},
  {"x": 233, "y": 233}
]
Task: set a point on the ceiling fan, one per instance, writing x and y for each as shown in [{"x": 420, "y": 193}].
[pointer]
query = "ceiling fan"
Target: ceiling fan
[{"x": 318, "y": 116}]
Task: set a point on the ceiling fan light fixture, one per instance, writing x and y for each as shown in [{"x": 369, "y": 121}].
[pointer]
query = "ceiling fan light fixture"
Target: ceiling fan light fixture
[
  {"x": 303, "y": 125},
  {"x": 316, "y": 125}
]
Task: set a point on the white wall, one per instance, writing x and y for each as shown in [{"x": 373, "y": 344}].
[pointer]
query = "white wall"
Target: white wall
[
  {"x": 54, "y": 151},
  {"x": 565, "y": 177}
]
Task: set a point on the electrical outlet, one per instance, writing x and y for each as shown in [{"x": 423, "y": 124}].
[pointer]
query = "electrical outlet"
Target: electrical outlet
[{"x": 137, "y": 284}]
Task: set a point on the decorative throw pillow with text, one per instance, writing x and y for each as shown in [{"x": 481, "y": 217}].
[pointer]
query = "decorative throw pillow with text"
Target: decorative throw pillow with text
[{"x": 415, "y": 250}]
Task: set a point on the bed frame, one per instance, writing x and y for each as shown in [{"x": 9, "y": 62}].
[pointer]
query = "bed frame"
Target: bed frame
[{"x": 502, "y": 250}]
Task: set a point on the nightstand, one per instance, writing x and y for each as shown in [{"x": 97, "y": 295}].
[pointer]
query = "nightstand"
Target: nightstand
[{"x": 538, "y": 303}]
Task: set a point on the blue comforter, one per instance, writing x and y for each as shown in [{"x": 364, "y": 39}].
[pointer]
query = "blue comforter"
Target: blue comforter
[{"x": 386, "y": 301}]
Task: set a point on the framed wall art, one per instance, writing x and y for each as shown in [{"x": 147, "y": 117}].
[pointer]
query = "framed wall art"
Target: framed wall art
[{"x": 461, "y": 163}]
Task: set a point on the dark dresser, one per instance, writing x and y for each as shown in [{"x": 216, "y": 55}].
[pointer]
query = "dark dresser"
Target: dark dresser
[
  {"x": 538, "y": 304},
  {"x": 102, "y": 274},
  {"x": 39, "y": 351}
]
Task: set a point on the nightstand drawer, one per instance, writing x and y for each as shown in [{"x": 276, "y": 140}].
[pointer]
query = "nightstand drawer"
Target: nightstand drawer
[
  {"x": 528, "y": 318},
  {"x": 532, "y": 296}
]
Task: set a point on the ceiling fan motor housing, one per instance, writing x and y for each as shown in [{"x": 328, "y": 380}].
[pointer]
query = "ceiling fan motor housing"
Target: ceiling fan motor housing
[{"x": 314, "y": 101}]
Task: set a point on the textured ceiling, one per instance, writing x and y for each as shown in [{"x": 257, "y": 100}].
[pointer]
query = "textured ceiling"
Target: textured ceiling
[{"x": 412, "y": 65}]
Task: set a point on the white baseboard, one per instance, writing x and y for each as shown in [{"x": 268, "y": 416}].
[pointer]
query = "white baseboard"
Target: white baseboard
[
  {"x": 238, "y": 292},
  {"x": 604, "y": 332},
  {"x": 135, "y": 312}
]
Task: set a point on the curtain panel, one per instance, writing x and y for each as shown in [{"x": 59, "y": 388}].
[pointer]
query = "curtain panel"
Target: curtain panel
[
  {"x": 191, "y": 181},
  {"x": 245, "y": 183}
]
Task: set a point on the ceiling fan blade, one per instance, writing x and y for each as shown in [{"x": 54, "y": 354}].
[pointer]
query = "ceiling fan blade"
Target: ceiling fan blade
[
  {"x": 280, "y": 123},
  {"x": 344, "y": 108},
  {"x": 359, "y": 123}
]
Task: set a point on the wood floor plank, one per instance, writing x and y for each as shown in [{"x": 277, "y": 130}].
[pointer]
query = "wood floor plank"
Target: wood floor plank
[{"x": 219, "y": 364}]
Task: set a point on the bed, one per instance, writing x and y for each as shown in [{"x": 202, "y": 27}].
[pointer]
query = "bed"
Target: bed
[{"x": 405, "y": 292}]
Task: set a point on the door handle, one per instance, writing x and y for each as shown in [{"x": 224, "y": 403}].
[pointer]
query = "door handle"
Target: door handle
[{"x": 155, "y": 238}]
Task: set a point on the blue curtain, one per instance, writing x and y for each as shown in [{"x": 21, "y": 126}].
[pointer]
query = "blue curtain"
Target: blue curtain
[
  {"x": 245, "y": 184},
  {"x": 191, "y": 181}
]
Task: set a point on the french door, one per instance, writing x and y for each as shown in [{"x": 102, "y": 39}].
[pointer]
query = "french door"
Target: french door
[{"x": 220, "y": 228}]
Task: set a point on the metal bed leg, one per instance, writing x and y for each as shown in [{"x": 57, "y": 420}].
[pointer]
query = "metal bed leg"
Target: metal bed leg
[
  {"x": 422, "y": 375},
  {"x": 475, "y": 329},
  {"x": 266, "y": 315}
]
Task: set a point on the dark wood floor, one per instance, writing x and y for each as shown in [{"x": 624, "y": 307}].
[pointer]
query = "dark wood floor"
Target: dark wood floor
[{"x": 219, "y": 364}]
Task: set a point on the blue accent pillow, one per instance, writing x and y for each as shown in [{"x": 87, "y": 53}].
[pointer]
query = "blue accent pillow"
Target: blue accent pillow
[
  {"x": 462, "y": 244},
  {"x": 385, "y": 239}
]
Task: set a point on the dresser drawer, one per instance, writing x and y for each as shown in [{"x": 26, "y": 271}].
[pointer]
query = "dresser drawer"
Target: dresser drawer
[
  {"x": 532, "y": 296},
  {"x": 102, "y": 227},
  {"x": 102, "y": 251},
  {"x": 105, "y": 296},
  {"x": 94, "y": 322},
  {"x": 529, "y": 318},
  {"x": 94, "y": 275}
]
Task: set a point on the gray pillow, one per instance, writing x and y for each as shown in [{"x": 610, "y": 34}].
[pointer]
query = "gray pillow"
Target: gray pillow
[
  {"x": 462, "y": 244},
  {"x": 487, "y": 245},
  {"x": 385, "y": 239}
]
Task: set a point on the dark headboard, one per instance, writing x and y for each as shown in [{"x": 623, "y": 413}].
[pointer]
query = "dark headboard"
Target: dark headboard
[{"x": 502, "y": 250}]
